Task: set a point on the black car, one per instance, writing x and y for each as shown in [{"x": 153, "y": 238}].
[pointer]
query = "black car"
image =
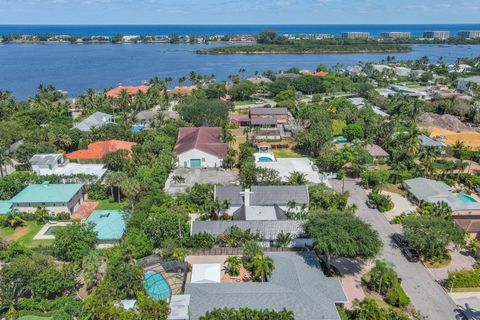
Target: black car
[
  {"x": 399, "y": 240},
  {"x": 411, "y": 254},
  {"x": 371, "y": 204}
]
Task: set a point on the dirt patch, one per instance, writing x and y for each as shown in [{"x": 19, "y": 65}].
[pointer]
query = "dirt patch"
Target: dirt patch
[
  {"x": 469, "y": 138},
  {"x": 446, "y": 121},
  {"x": 19, "y": 232}
]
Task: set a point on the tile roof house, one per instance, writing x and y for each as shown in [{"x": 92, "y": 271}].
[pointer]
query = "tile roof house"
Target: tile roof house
[
  {"x": 98, "y": 150},
  {"x": 297, "y": 284},
  {"x": 131, "y": 91},
  {"x": 183, "y": 90},
  {"x": 376, "y": 151},
  {"x": 55, "y": 198},
  {"x": 96, "y": 120},
  {"x": 262, "y": 202},
  {"x": 200, "y": 147}
]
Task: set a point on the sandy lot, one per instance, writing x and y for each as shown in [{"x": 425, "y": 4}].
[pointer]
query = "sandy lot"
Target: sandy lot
[{"x": 469, "y": 138}]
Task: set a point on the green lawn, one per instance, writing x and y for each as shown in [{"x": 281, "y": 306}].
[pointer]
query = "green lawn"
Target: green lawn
[
  {"x": 34, "y": 318},
  {"x": 28, "y": 232},
  {"x": 108, "y": 204},
  {"x": 286, "y": 153},
  {"x": 6, "y": 232},
  {"x": 244, "y": 102}
]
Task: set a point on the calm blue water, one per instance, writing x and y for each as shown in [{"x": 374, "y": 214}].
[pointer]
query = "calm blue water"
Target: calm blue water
[
  {"x": 75, "y": 68},
  {"x": 108, "y": 30}
]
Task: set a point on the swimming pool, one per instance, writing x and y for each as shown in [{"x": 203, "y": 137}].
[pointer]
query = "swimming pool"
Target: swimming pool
[
  {"x": 465, "y": 198},
  {"x": 341, "y": 139},
  {"x": 265, "y": 159},
  {"x": 156, "y": 285},
  {"x": 49, "y": 231}
]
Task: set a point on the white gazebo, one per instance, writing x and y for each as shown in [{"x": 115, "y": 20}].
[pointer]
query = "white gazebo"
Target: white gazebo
[{"x": 206, "y": 273}]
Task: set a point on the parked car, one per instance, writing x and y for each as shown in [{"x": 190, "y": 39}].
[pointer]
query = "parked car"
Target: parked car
[
  {"x": 399, "y": 240},
  {"x": 411, "y": 254},
  {"x": 371, "y": 204}
]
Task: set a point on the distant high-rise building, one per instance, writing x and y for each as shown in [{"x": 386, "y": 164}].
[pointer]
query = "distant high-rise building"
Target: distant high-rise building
[
  {"x": 469, "y": 34},
  {"x": 395, "y": 35},
  {"x": 356, "y": 35},
  {"x": 436, "y": 35}
]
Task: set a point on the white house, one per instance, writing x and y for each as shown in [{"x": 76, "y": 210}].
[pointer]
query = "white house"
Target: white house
[
  {"x": 57, "y": 164},
  {"x": 463, "y": 84},
  {"x": 200, "y": 148}
]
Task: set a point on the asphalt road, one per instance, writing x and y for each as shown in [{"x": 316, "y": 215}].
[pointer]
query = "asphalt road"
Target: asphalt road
[{"x": 426, "y": 294}]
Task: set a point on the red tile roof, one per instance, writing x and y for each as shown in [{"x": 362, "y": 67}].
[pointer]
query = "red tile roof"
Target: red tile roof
[
  {"x": 98, "y": 150},
  {"x": 184, "y": 91},
  {"x": 316, "y": 73},
  {"x": 114, "y": 93},
  {"x": 206, "y": 139}
]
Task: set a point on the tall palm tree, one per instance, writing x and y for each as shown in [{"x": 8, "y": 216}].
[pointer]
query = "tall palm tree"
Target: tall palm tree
[
  {"x": 262, "y": 267},
  {"x": 131, "y": 187},
  {"x": 284, "y": 239}
]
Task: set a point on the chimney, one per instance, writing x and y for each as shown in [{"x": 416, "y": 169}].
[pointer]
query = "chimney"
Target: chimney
[{"x": 246, "y": 197}]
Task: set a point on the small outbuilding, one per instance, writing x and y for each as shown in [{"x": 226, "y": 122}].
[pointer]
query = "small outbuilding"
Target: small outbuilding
[{"x": 206, "y": 273}]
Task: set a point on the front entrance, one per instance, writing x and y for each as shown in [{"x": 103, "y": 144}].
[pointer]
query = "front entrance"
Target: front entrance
[{"x": 195, "y": 163}]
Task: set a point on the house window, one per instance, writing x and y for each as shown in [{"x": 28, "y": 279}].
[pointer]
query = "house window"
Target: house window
[
  {"x": 203, "y": 159},
  {"x": 185, "y": 164}
]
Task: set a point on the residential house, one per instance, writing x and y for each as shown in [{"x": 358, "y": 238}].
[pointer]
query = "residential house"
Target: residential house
[
  {"x": 402, "y": 71},
  {"x": 297, "y": 284},
  {"x": 98, "y": 150},
  {"x": 376, "y": 151},
  {"x": 96, "y": 120},
  {"x": 466, "y": 209},
  {"x": 58, "y": 164},
  {"x": 200, "y": 147},
  {"x": 262, "y": 202},
  {"x": 183, "y": 90},
  {"x": 259, "y": 80},
  {"x": 464, "y": 85},
  {"x": 131, "y": 91},
  {"x": 6, "y": 207},
  {"x": 55, "y": 198},
  {"x": 427, "y": 142},
  {"x": 274, "y": 115},
  {"x": 381, "y": 67}
]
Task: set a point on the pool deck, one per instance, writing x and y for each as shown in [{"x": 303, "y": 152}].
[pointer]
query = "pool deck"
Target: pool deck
[{"x": 41, "y": 234}]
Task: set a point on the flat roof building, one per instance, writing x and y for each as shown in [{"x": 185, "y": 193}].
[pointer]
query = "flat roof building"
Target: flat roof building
[
  {"x": 395, "y": 35},
  {"x": 471, "y": 34},
  {"x": 356, "y": 35},
  {"x": 441, "y": 35}
]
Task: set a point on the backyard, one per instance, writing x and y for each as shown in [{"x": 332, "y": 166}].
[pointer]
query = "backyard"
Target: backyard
[
  {"x": 24, "y": 234},
  {"x": 108, "y": 204}
]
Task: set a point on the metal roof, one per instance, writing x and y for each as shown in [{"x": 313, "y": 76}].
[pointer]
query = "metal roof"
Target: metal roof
[
  {"x": 47, "y": 193},
  {"x": 429, "y": 142},
  {"x": 264, "y": 195},
  {"x": 109, "y": 224},
  {"x": 5, "y": 207},
  {"x": 45, "y": 159},
  {"x": 267, "y": 229},
  {"x": 297, "y": 284},
  {"x": 95, "y": 120},
  {"x": 269, "y": 111}
]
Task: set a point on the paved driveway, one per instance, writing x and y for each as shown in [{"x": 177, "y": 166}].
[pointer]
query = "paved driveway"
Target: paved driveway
[{"x": 427, "y": 295}]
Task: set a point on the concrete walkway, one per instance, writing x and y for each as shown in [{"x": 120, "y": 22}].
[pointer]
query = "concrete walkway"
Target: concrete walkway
[
  {"x": 426, "y": 294},
  {"x": 401, "y": 204}
]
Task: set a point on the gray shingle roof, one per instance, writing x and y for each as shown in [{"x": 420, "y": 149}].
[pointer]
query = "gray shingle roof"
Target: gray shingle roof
[
  {"x": 264, "y": 195},
  {"x": 423, "y": 188},
  {"x": 95, "y": 120},
  {"x": 267, "y": 229},
  {"x": 297, "y": 284},
  {"x": 43, "y": 159},
  {"x": 269, "y": 111}
]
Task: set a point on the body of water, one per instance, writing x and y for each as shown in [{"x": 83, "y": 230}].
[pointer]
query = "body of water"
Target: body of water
[
  {"x": 75, "y": 68},
  {"x": 109, "y": 30}
]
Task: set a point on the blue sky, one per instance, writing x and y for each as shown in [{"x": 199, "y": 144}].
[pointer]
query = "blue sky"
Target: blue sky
[{"x": 238, "y": 11}]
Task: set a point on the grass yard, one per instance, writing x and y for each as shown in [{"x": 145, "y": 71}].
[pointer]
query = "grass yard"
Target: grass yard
[
  {"x": 109, "y": 204},
  {"x": 286, "y": 153},
  {"x": 244, "y": 102},
  {"x": 34, "y": 318},
  {"x": 24, "y": 235}
]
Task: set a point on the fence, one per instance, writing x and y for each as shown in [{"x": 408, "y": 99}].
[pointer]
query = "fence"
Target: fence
[{"x": 228, "y": 251}]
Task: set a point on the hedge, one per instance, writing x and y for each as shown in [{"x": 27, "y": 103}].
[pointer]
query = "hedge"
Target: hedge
[{"x": 463, "y": 279}]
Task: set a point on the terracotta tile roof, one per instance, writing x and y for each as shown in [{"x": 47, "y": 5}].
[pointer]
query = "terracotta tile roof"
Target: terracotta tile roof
[
  {"x": 206, "y": 139},
  {"x": 184, "y": 91},
  {"x": 115, "y": 92},
  {"x": 98, "y": 150},
  {"x": 316, "y": 73}
]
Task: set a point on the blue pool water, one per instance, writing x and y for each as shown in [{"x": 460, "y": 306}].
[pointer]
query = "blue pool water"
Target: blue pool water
[
  {"x": 49, "y": 231},
  {"x": 265, "y": 159},
  {"x": 156, "y": 285},
  {"x": 465, "y": 198},
  {"x": 341, "y": 139}
]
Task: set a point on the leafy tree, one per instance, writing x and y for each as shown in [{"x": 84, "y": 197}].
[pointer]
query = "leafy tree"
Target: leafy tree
[
  {"x": 74, "y": 241},
  {"x": 203, "y": 112},
  {"x": 166, "y": 224},
  {"x": 202, "y": 240},
  {"x": 247, "y": 313},
  {"x": 215, "y": 90},
  {"x": 268, "y": 36},
  {"x": 233, "y": 264},
  {"x": 137, "y": 243},
  {"x": 251, "y": 249},
  {"x": 325, "y": 198},
  {"x": 297, "y": 179},
  {"x": 353, "y": 131},
  {"x": 438, "y": 209},
  {"x": 284, "y": 239},
  {"x": 431, "y": 236},
  {"x": 242, "y": 90},
  {"x": 342, "y": 235},
  {"x": 150, "y": 309}
]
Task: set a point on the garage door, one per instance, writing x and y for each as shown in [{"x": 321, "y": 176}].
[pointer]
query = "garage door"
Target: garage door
[{"x": 195, "y": 163}]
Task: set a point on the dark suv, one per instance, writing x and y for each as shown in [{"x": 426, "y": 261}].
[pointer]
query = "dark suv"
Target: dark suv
[
  {"x": 399, "y": 240},
  {"x": 411, "y": 254}
]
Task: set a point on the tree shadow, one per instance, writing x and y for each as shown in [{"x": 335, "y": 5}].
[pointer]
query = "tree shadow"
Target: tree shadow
[{"x": 466, "y": 312}]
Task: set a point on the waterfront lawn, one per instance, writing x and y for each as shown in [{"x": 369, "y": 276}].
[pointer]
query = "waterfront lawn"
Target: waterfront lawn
[{"x": 109, "y": 204}]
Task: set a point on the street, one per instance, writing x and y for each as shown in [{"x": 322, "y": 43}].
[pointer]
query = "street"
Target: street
[{"x": 427, "y": 296}]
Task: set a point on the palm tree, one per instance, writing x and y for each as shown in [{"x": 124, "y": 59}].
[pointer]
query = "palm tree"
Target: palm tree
[
  {"x": 262, "y": 267},
  {"x": 284, "y": 239},
  {"x": 115, "y": 180},
  {"x": 233, "y": 265},
  {"x": 297, "y": 179},
  {"x": 4, "y": 161},
  {"x": 131, "y": 187}
]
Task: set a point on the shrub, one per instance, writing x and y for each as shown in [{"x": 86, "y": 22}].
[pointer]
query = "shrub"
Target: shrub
[
  {"x": 97, "y": 192},
  {"x": 247, "y": 313},
  {"x": 384, "y": 202},
  {"x": 463, "y": 279},
  {"x": 203, "y": 240}
]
